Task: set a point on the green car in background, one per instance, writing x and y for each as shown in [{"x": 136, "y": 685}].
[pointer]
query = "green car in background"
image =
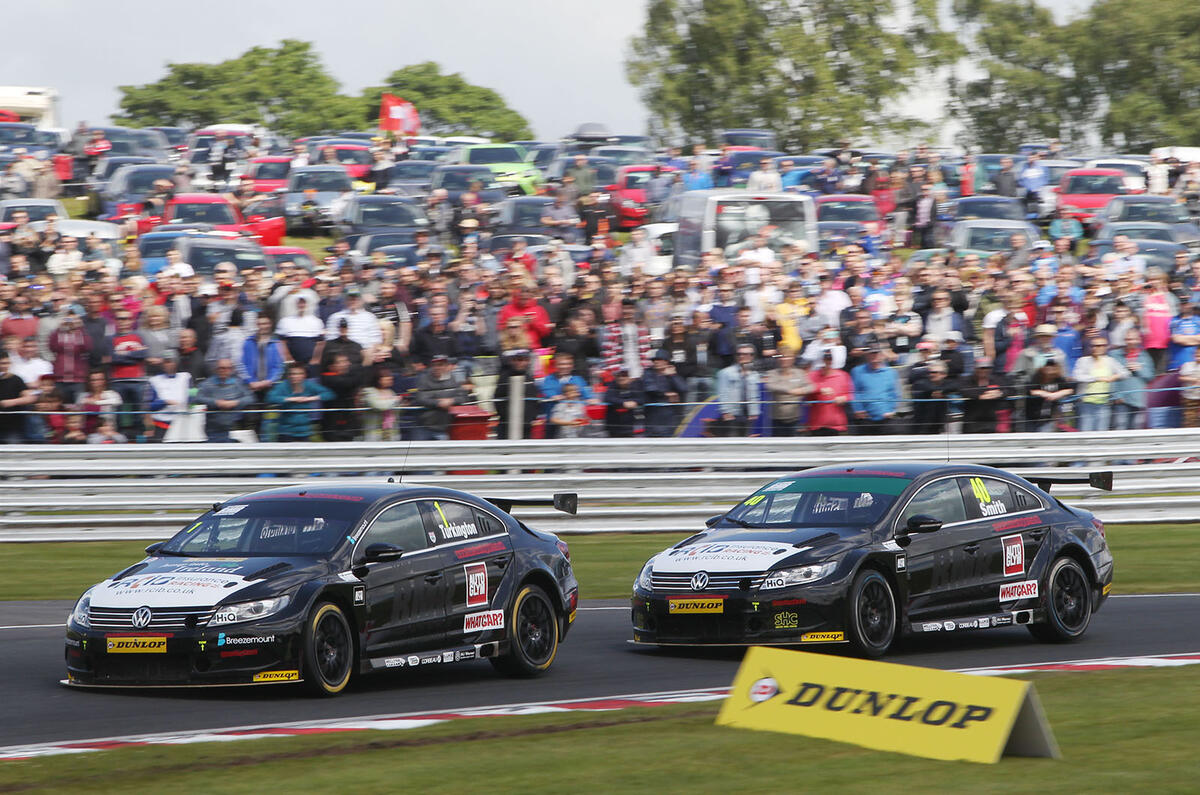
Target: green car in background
[{"x": 506, "y": 161}]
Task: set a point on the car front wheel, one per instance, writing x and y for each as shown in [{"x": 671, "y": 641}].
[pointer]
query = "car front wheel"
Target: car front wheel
[
  {"x": 871, "y": 622},
  {"x": 328, "y": 650},
  {"x": 1068, "y": 603},
  {"x": 533, "y": 634}
]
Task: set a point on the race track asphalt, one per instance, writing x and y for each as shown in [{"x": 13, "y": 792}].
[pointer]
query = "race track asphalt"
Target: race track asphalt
[{"x": 595, "y": 661}]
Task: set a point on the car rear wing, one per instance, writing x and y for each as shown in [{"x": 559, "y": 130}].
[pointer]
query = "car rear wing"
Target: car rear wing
[
  {"x": 565, "y": 501},
  {"x": 1097, "y": 480}
]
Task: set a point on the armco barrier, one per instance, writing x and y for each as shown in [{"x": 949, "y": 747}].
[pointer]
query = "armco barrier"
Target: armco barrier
[{"x": 147, "y": 491}]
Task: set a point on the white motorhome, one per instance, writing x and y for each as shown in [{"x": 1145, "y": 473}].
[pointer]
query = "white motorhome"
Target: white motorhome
[{"x": 34, "y": 105}]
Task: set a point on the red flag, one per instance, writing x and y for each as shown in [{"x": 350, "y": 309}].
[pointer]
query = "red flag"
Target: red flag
[{"x": 398, "y": 115}]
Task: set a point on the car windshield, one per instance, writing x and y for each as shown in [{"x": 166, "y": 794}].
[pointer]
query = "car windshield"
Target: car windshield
[
  {"x": 1131, "y": 169},
  {"x": 155, "y": 246},
  {"x": 748, "y": 139},
  {"x": 1158, "y": 212},
  {"x": 543, "y": 156},
  {"x": 37, "y": 212},
  {"x": 527, "y": 213},
  {"x": 412, "y": 171},
  {"x": 320, "y": 181},
  {"x": 203, "y": 213},
  {"x": 624, "y": 157},
  {"x": 740, "y": 219},
  {"x": 204, "y": 259},
  {"x": 16, "y": 135},
  {"x": 142, "y": 180},
  {"x": 834, "y": 501},
  {"x": 461, "y": 180},
  {"x": 487, "y": 155},
  {"x": 148, "y": 139},
  {"x": 1144, "y": 232},
  {"x": 174, "y": 136},
  {"x": 987, "y": 238},
  {"x": 847, "y": 211},
  {"x": 1093, "y": 183},
  {"x": 372, "y": 242},
  {"x": 390, "y": 214},
  {"x": 267, "y": 528},
  {"x": 272, "y": 169},
  {"x": 984, "y": 208},
  {"x": 349, "y": 157},
  {"x": 638, "y": 179},
  {"x": 111, "y": 166}
]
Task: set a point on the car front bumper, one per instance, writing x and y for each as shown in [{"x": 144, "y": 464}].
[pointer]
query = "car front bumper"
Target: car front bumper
[{"x": 803, "y": 615}]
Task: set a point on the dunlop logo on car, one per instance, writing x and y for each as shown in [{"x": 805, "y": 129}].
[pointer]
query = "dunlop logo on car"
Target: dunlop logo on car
[
  {"x": 277, "y": 676},
  {"x": 708, "y": 605},
  {"x": 151, "y": 645},
  {"x": 822, "y": 637}
]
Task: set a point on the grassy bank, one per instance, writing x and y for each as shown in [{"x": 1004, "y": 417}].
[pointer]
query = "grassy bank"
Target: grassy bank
[
  {"x": 1118, "y": 730},
  {"x": 1149, "y": 559}
]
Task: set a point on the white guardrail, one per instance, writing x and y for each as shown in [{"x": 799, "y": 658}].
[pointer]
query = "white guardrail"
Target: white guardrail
[{"x": 142, "y": 491}]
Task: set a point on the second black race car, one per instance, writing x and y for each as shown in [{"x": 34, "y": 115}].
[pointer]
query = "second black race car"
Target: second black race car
[
  {"x": 862, "y": 554},
  {"x": 316, "y": 584}
]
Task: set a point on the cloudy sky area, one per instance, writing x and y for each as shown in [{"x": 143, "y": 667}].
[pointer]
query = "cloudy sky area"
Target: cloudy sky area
[{"x": 559, "y": 62}]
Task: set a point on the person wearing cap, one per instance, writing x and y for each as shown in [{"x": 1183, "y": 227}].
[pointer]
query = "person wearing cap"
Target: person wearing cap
[
  {"x": 832, "y": 390},
  {"x": 525, "y": 306},
  {"x": 985, "y": 392},
  {"x": 664, "y": 391},
  {"x": 931, "y": 388},
  {"x": 1043, "y": 351},
  {"x": 551, "y": 387},
  {"x": 876, "y": 394},
  {"x": 739, "y": 394},
  {"x": 363, "y": 327},
  {"x": 224, "y": 395},
  {"x": 623, "y": 401},
  {"x": 439, "y": 389},
  {"x": 168, "y": 396}
]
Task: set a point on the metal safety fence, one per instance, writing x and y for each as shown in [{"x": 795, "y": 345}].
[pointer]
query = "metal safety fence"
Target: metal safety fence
[{"x": 50, "y": 492}]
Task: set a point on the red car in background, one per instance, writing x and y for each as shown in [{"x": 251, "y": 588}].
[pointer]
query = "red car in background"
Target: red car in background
[
  {"x": 1083, "y": 191},
  {"x": 850, "y": 208},
  {"x": 269, "y": 173},
  {"x": 355, "y": 159},
  {"x": 628, "y": 194},
  {"x": 264, "y": 221}
]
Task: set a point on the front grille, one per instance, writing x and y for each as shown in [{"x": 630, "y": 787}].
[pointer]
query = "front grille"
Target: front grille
[
  {"x": 722, "y": 581},
  {"x": 162, "y": 618},
  {"x": 143, "y": 669}
]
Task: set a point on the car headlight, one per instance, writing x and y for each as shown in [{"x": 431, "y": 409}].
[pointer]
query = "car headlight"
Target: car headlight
[
  {"x": 248, "y": 611},
  {"x": 79, "y": 616},
  {"x": 643, "y": 580},
  {"x": 785, "y": 578}
]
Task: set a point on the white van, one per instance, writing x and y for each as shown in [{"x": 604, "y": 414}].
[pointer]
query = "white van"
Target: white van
[{"x": 729, "y": 218}]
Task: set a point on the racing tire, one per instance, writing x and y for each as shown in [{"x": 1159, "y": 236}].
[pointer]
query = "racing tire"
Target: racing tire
[
  {"x": 328, "y": 653},
  {"x": 534, "y": 635},
  {"x": 871, "y": 619},
  {"x": 1068, "y": 603}
]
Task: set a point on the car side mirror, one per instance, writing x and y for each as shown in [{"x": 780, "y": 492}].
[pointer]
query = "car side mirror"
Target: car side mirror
[
  {"x": 380, "y": 552},
  {"x": 922, "y": 523},
  {"x": 254, "y": 219},
  {"x": 712, "y": 520},
  {"x": 152, "y": 548}
]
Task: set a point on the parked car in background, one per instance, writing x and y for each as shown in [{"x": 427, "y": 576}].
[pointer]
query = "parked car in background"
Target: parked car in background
[
  {"x": 1083, "y": 191},
  {"x": 203, "y": 252},
  {"x": 458, "y": 179},
  {"x": 309, "y": 196},
  {"x": 1152, "y": 209},
  {"x": 372, "y": 213},
  {"x": 506, "y": 162},
  {"x": 990, "y": 234},
  {"x": 269, "y": 173},
  {"x": 278, "y": 254},
  {"x": 411, "y": 177},
  {"x": 628, "y": 194},
  {"x": 263, "y": 221}
]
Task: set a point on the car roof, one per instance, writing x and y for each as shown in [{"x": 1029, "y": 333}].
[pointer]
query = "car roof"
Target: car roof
[
  {"x": 221, "y": 241},
  {"x": 1145, "y": 198},
  {"x": 30, "y": 202},
  {"x": 905, "y": 469},
  {"x": 285, "y": 250},
  {"x": 1095, "y": 172},
  {"x": 988, "y": 197},
  {"x": 844, "y": 197},
  {"x": 462, "y": 167},
  {"x": 367, "y": 493},
  {"x": 1119, "y": 225},
  {"x": 993, "y": 223},
  {"x": 271, "y": 159},
  {"x": 323, "y": 167}
]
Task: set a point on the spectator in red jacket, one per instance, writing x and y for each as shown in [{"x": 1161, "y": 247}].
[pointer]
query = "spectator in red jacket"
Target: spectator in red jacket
[
  {"x": 832, "y": 390},
  {"x": 525, "y": 306}
]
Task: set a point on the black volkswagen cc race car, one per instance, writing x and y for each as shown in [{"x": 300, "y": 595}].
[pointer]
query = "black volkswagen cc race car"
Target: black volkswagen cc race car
[
  {"x": 317, "y": 584},
  {"x": 863, "y": 554}
]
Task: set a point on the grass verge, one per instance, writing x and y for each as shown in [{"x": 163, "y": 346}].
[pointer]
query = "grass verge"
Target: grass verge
[
  {"x": 1118, "y": 730},
  {"x": 1149, "y": 559},
  {"x": 313, "y": 245}
]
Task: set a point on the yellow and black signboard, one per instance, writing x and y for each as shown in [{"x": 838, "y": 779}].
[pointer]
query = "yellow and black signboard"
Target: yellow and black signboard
[
  {"x": 901, "y": 708},
  {"x": 156, "y": 644},
  {"x": 708, "y": 604}
]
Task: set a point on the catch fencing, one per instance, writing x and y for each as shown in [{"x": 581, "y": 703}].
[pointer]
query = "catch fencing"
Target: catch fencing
[{"x": 52, "y": 492}]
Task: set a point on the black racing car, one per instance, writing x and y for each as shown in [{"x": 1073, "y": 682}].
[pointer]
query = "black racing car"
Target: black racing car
[
  {"x": 865, "y": 553},
  {"x": 317, "y": 584}
]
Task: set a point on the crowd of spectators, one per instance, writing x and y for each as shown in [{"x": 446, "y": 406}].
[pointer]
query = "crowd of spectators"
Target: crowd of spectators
[{"x": 771, "y": 342}]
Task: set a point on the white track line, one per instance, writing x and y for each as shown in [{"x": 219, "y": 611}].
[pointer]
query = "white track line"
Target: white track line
[{"x": 35, "y": 626}]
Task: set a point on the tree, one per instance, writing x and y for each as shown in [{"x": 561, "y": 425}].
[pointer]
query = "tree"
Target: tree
[
  {"x": 449, "y": 105},
  {"x": 813, "y": 72},
  {"x": 285, "y": 89}
]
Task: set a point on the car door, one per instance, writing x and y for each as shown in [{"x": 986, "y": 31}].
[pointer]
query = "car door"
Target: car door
[
  {"x": 935, "y": 564},
  {"x": 265, "y": 220},
  {"x": 479, "y": 567},
  {"x": 405, "y": 597},
  {"x": 1012, "y": 529}
]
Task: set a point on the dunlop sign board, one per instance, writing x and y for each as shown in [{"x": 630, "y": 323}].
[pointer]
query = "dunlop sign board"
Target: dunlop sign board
[{"x": 901, "y": 708}]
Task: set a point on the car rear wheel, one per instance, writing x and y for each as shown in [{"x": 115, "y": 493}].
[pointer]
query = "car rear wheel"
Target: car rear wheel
[
  {"x": 1068, "y": 603},
  {"x": 534, "y": 634},
  {"x": 871, "y": 623},
  {"x": 328, "y": 650}
]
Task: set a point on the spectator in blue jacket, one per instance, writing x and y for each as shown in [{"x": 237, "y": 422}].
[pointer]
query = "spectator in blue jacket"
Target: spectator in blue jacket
[
  {"x": 263, "y": 357},
  {"x": 552, "y": 387},
  {"x": 296, "y": 392},
  {"x": 696, "y": 178},
  {"x": 876, "y": 394}
]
